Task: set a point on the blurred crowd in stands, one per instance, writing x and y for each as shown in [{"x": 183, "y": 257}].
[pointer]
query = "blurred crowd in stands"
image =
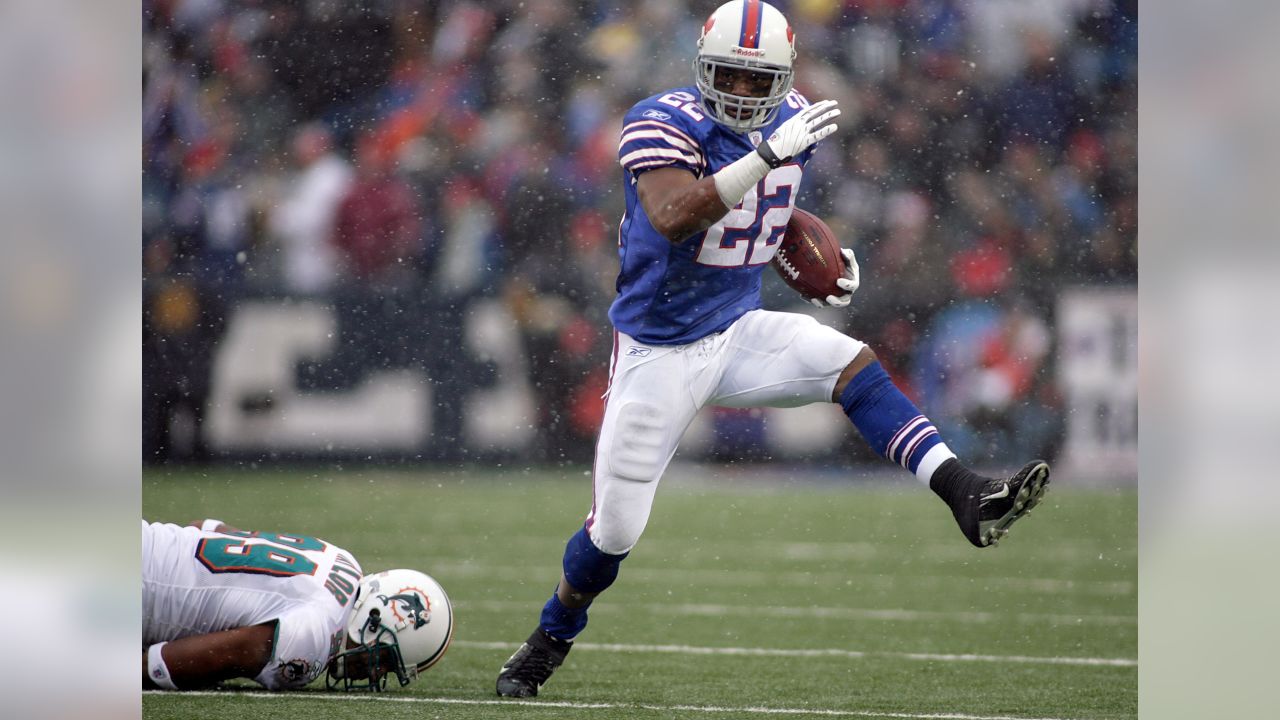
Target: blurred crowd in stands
[{"x": 466, "y": 151}]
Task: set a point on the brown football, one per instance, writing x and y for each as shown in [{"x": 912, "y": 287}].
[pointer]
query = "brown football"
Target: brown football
[{"x": 808, "y": 258}]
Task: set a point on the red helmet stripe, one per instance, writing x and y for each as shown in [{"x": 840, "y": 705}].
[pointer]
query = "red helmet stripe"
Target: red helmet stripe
[{"x": 751, "y": 12}]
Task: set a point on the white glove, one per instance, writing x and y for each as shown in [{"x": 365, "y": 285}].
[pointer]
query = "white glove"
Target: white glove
[
  {"x": 790, "y": 139},
  {"x": 849, "y": 283},
  {"x": 797, "y": 134}
]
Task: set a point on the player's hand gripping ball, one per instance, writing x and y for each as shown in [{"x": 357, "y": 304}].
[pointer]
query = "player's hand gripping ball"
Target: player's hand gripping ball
[{"x": 811, "y": 261}]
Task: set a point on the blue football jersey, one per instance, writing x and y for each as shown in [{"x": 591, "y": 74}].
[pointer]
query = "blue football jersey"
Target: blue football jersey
[{"x": 675, "y": 294}]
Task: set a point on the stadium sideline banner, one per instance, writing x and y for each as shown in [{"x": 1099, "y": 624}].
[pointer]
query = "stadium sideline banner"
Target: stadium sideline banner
[
  {"x": 1099, "y": 375},
  {"x": 310, "y": 379}
]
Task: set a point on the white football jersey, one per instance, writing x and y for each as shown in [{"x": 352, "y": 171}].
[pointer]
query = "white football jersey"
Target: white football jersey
[{"x": 196, "y": 581}]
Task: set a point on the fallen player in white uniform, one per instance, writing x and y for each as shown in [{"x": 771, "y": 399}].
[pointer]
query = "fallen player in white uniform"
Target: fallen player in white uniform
[{"x": 221, "y": 603}]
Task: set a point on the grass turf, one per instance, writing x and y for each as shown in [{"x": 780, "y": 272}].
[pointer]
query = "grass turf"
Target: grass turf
[{"x": 912, "y": 621}]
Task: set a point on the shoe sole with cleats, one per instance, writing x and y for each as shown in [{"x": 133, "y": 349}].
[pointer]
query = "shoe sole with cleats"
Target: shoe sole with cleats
[{"x": 1030, "y": 492}]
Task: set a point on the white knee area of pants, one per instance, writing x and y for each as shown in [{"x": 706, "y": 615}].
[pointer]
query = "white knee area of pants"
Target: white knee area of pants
[
  {"x": 622, "y": 511},
  {"x": 639, "y": 442},
  {"x": 617, "y": 537},
  {"x": 638, "y": 450}
]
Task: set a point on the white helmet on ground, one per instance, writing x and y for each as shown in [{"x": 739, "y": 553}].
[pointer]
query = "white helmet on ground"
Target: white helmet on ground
[
  {"x": 745, "y": 35},
  {"x": 402, "y": 623}
]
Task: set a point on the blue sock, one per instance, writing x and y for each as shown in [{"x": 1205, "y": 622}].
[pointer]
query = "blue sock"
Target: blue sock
[
  {"x": 588, "y": 569},
  {"x": 561, "y": 622},
  {"x": 890, "y": 423}
]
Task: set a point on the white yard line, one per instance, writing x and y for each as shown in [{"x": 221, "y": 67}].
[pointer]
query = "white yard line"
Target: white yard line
[
  {"x": 752, "y": 710},
  {"x": 818, "y": 652},
  {"x": 837, "y": 613}
]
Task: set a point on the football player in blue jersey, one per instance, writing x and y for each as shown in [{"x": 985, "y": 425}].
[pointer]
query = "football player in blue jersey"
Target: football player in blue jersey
[{"x": 711, "y": 175}]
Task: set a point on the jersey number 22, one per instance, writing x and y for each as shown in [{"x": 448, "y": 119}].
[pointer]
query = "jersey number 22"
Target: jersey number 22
[{"x": 749, "y": 233}]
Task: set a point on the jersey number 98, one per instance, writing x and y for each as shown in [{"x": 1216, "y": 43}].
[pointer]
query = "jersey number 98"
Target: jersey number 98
[{"x": 223, "y": 555}]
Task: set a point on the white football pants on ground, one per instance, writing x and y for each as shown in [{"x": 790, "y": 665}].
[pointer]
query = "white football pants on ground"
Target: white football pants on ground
[{"x": 765, "y": 359}]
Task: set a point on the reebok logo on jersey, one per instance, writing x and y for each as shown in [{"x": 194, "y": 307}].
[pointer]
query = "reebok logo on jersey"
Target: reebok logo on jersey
[
  {"x": 656, "y": 115},
  {"x": 634, "y": 351}
]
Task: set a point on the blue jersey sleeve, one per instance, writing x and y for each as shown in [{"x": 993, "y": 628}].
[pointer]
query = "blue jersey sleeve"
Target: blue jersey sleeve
[{"x": 657, "y": 135}]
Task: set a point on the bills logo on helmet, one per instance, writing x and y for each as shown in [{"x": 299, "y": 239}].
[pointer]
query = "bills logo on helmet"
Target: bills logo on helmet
[{"x": 415, "y": 604}]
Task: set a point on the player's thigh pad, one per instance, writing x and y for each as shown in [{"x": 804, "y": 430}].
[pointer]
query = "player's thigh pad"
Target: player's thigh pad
[
  {"x": 641, "y": 441},
  {"x": 649, "y": 407},
  {"x": 778, "y": 359}
]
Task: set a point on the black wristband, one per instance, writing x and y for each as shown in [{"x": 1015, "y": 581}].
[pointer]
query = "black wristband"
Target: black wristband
[{"x": 770, "y": 157}]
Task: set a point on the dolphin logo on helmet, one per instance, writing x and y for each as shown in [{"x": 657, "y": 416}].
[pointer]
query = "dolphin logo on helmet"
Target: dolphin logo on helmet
[
  {"x": 399, "y": 633},
  {"x": 415, "y": 610}
]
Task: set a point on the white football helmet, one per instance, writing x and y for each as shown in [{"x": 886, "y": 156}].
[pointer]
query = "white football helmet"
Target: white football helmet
[
  {"x": 751, "y": 35},
  {"x": 402, "y": 622}
]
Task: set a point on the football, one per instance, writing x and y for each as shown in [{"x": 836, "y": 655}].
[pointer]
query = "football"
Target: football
[{"x": 808, "y": 259}]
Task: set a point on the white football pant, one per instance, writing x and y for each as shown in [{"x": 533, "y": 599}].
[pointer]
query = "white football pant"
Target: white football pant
[{"x": 765, "y": 359}]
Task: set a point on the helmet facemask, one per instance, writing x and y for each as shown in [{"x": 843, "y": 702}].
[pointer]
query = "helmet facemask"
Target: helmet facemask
[
  {"x": 737, "y": 112},
  {"x": 373, "y": 659}
]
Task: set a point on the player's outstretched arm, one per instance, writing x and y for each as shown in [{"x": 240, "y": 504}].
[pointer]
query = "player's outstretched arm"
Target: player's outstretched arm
[
  {"x": 679, "y": 205},
  {"x": 203, "y": 660}
]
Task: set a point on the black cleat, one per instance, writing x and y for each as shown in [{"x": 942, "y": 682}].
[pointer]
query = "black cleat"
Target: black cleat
[
  {"x": 531, "y": 665},
  {"x": 985, "y": 517}
]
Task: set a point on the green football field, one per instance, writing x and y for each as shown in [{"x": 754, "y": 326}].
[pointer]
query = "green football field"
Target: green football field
[{"x": 759, "y": 599}]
